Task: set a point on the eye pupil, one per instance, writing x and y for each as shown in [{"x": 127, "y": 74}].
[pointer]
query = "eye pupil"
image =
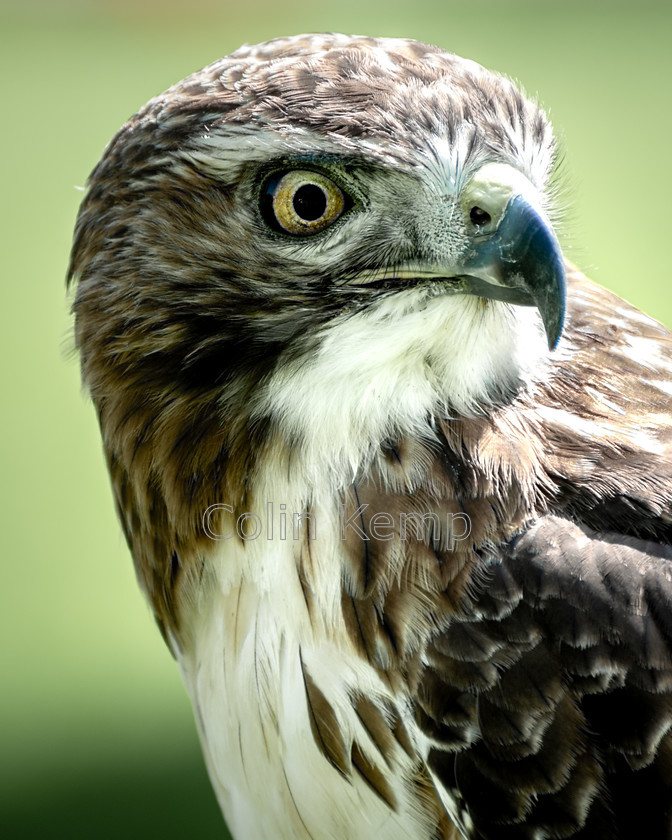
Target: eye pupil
[
  {"x": 309, "y": 202},
  {"x": 479, "y": 216}
]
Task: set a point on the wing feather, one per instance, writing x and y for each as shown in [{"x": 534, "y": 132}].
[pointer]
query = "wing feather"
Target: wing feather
[{"x": 576, "y": 685}]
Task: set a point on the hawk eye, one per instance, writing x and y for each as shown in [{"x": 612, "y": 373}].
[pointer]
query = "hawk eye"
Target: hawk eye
[{"x": 302, "y": 202}]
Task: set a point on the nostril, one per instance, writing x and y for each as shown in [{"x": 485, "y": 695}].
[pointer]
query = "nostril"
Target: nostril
[{"x": 479, "y": 217}]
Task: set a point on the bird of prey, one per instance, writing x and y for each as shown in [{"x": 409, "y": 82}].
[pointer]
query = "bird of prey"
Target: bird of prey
[{"x": 395, "y": 476}]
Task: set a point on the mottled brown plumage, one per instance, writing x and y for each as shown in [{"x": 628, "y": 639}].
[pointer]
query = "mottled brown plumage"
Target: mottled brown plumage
[{"x": 513, "y": 683}]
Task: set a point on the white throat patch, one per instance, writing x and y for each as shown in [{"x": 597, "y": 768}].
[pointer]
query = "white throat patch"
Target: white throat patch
[{"x": 388, "y": 370}]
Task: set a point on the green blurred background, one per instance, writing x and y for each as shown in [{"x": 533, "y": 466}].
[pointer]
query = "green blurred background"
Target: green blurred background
[{"x": 97, "y": 733}]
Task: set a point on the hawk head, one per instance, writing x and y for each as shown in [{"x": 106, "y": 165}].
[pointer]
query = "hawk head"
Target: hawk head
[{"x": 315, "y": 243}]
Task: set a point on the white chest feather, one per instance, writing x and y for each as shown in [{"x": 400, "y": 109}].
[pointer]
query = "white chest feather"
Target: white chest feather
[
  {"x": 255, "y": 647},
  {"x": 274, "y": 680}
]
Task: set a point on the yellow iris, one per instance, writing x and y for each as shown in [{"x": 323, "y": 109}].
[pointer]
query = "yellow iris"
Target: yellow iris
[{"x": 306, "y": 202}]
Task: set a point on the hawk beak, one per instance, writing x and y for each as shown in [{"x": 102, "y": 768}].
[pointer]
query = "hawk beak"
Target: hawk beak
[{"x": 521, "y": 263}]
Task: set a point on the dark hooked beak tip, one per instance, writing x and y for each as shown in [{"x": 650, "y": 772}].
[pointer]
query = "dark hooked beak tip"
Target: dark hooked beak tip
[{"x": 521, "y": 263}]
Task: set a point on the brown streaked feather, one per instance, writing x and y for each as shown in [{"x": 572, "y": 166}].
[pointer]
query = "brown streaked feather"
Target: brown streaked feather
[
  {"x": 373, "y": 776},
  {"x": 383, "y": 725},
  {"x": 325, "y": 728}
]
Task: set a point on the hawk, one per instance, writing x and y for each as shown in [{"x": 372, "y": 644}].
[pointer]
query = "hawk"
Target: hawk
[{"x": 395, "y": 476}]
